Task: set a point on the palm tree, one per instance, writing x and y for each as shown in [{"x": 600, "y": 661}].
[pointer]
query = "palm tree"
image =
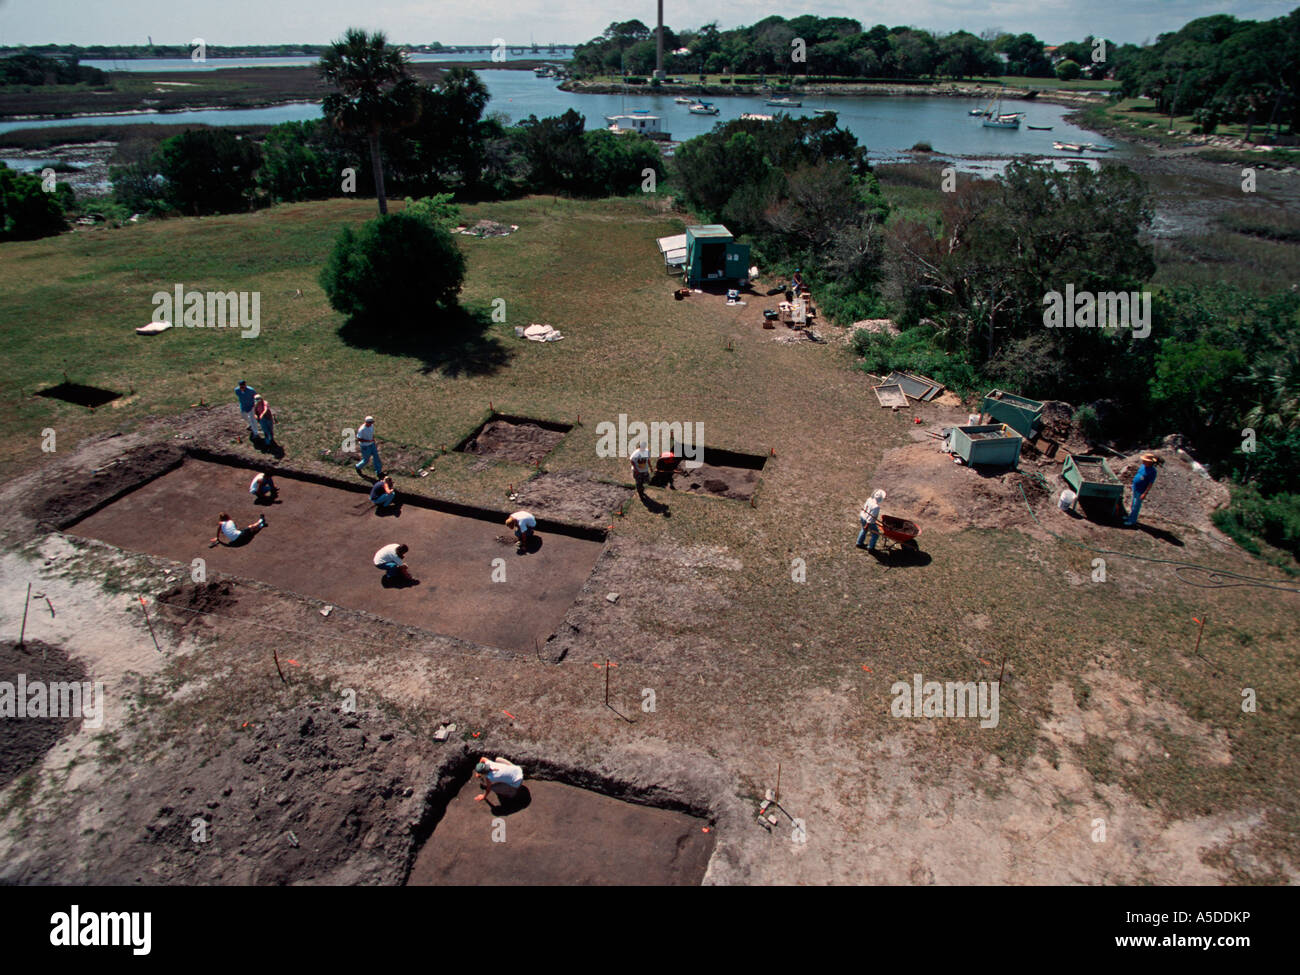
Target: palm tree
[{"x": 375, "y": 93}]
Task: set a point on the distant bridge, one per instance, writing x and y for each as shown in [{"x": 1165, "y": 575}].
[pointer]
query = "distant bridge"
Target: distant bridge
[{"x": 512, "y": 48}]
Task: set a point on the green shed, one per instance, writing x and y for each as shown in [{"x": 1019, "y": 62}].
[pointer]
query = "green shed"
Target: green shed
[{"x": 712, "y": 254}]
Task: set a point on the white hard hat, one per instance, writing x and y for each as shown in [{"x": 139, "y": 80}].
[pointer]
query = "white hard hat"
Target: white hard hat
[{"x": 369, "y": 419}]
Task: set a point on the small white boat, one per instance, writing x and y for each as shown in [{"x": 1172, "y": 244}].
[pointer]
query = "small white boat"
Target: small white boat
[
  {"x": 784, "y": 103},
  {"x": 683, "y": 100},
  {"x": 823, "y": 111},
  {"x": 1096, "y": 148},
  {"x": 757, "y": 117},
  {"x": 1068, "y": 146},
  {"x": 1002, "y": 122},
  {"x": 703, "y": 108}
]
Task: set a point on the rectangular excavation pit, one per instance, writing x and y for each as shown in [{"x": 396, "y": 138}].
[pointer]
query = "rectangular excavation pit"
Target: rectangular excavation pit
[
  {"x": 722, "y": 474},
  {"x": 322, "y": 536},
  {"x": 562, "y": 835},
  {"x": 520, "y": 439},
  {"x": 79, "y": 395}
]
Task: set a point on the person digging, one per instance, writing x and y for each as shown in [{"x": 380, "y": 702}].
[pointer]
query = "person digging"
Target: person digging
[
  {"x": 501, "y": 776},
  {"x": 524, "y": 525},
  {"x": 232, "y": 534}
]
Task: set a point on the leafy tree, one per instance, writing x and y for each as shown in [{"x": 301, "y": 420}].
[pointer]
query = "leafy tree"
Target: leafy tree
[
  {"x": 303, "y": 161},
  {"x": 618, "y": 162},
  {"x": 208, "y": 171},
  {"x": 437, "y": 209},
  {"x": 399, "y": 272},
  {"x": 1068, "y": 70},
  {"x": 556, "y": 151},
  {"x": 375, "y": 93},
  {"x": 26, "y": 210}
]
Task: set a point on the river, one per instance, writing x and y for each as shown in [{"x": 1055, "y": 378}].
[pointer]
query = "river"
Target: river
[{"x": 887, "y": 126}]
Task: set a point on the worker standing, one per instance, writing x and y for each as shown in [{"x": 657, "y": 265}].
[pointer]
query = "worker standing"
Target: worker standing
[
  {"x": 869, "y": 519},
  {"x": 369, "y": 451},
  {"x": 262, "y": 413},
  {"x": 640, "y": 462},
  {"x": 1142, "y": 481},
  {"x": 245, "y": 397}
]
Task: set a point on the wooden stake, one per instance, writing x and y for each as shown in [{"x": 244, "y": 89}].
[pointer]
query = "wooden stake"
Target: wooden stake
[
  {"x": 776, "y": 794},
  {"x": 22, "y": 634},
  {"x": 276, "y": 655},
  {"x": 1198, "y": 634},
  {"x": 1004, "y": 668},
  {"x": 606, "y": 681},
  {"x": 149, "y": 624}
]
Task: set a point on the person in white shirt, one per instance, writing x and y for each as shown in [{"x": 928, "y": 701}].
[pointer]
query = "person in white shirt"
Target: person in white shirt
[
  {"x": 263, "y": 488},
  {"x": 523, "y": 524},
  {"x": 501, "y": 776},
  {"x": 640, "y": 462},
  {"x": 369, "y": 451},
  {"x": 869, "y": 519},
  {"x": 389, "y": 558},
  {"x": 232, "y": 533}
]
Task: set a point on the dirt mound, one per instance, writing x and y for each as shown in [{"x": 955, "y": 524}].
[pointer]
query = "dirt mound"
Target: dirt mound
[
  {"x": 185, "y": 605},
  {"x": 311, "y": 794},
  {"x": 75, "y": 494},
  {"x": 522, "y": 442},
  {"x": 738, "y": 483},
  {"x": 571, "y": 496},
  {"x": 24, "y": 741},
  {"x": 925, "y": 485}
]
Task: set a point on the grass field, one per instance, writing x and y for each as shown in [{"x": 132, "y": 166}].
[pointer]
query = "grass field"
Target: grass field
[{"x": 591, "y": 269}]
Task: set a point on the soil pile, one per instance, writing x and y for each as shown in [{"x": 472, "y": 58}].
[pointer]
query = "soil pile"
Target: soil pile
[
  {"x": 523, "y": 443},
  {"x": 24, "y": 741},
  {"x": 571, "y": 496}
]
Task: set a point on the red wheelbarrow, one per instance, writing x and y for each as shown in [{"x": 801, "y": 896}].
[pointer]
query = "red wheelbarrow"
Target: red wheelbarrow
[{"x": 899, "y": 533}]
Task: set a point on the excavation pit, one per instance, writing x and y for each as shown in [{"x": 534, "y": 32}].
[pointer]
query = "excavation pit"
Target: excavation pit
[
  {"x": 722, "y": 474},
  {"x": 322, "y": 537},
  {"x": 79, "y": 395},
  {"x": 519, "y": 439},
  {"x": 558, "y": 834}
]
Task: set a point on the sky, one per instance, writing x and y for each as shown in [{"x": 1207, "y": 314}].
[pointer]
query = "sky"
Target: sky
[{"x": 570, "y": 21}]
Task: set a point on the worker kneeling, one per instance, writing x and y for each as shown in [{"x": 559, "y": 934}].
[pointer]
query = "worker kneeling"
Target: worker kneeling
[
  {"x": 524, "y": 525},
  {"x": 390, "y": 559},
  {"x": 501, "y": 776}
]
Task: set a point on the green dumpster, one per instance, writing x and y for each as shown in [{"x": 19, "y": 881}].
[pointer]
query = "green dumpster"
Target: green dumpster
[
  {"x": 1023, "y": 415},
  {"x": 990, "y": 445}
]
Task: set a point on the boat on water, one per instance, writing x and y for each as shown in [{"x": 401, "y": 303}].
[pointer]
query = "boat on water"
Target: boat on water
[
  {"x": 703, "y": 108},
  {"x": 1040, "y": 128},
  {"x": 785, "y": 103},
  {"x": 683, "y": 100},
  {"x": 1068, "y": 146},
  {"x": 1011, "y": 121},
  {"x": 823, "y": 111},
  {"x": 1096, "y": 148},
  {"x": 639, "y": 121},
  {"x": 757, "y": 117}
]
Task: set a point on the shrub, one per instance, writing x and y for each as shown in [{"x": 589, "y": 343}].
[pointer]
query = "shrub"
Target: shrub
[
  {"x": 26, "y": 210},
  {"x": 1089, "y": 423},
  {"x": 1250, "y": 515},
  {"x": 209, "y": 171},
  {"x": 437, "y": 209},
  {"x": 397, "y": 273}
]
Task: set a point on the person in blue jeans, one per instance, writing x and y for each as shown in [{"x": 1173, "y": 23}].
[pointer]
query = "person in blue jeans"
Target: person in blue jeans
[
  {"x": 366, "y": 442},
  {"x": 1142, "y": 481},
  {"x": 262, "y": 413},
  {"x": 244, "y": 396},
  {"x": 869, "y": 519},
  {"x": 382, "y": 494}
]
